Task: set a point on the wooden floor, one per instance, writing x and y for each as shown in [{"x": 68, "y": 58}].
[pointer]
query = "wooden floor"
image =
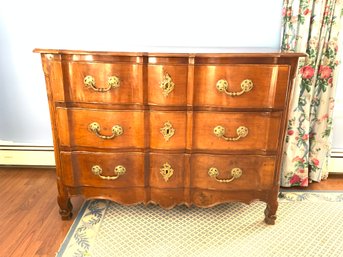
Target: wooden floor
[{"x": 30, "y": 222}]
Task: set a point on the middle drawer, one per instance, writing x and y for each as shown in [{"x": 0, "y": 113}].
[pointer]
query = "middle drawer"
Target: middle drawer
[
  {"x": 168, "y": 130},
  {"x": 100, "y": 128},
  {"x": 236, "y": 131}
]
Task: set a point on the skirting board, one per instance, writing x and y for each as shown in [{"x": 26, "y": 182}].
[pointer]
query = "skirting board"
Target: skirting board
[
  {"x": 44, "y": 156},
  {"x": 27, "y": 156}
]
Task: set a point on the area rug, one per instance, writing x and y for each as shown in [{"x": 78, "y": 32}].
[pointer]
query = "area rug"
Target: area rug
[{"x": 308, "y": 224}]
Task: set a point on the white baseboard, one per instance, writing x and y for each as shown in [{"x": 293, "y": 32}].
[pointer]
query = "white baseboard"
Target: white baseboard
[
  {"x": 27, "y": 156},
  {"x": 336, "y": 165},
  {"x": 336, "y": 161}
]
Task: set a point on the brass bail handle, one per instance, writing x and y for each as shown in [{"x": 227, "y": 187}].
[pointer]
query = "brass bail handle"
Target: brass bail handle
[
  {"x": 241, "y": 131},
  {"x": 94, "y": 127},
  {"x": 112, "y": 82},
  {"x": 118, "y": 171},
  {"x": 223, "y": 86},
  {"x": 235, "y": 173}
]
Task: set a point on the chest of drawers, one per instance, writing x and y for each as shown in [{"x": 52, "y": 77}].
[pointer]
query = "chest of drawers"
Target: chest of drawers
[{"x": 168, "y": 129}]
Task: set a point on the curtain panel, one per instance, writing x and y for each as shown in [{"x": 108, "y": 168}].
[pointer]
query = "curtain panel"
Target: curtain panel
[{"x": 313, "y": 27}]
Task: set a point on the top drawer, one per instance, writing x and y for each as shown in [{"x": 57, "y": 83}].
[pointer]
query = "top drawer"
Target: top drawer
[
  {"x": 167, "y": 84},
  {"x": 98, "y": 82},
  {"x": 241, "y": 86},
  {"x": 167, "y": 81}
]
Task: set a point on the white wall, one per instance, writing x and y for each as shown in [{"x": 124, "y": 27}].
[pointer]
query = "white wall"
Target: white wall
[{"x": 110, "y": 25}]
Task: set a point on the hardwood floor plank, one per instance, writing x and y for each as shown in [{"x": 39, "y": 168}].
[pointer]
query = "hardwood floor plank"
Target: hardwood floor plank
[{"x": 28, "y": 247}]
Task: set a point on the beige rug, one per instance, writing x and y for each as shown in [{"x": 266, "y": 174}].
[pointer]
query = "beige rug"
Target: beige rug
[{"x": 308, "y": 224}]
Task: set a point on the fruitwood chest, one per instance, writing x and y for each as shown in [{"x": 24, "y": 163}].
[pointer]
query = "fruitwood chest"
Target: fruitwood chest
[{"x": 168, "y": 128}]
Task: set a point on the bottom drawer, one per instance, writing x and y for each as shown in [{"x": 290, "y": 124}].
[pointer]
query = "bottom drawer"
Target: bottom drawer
[
  {"x": 167, "y": 170},
  {"x": 96, "y": 169},
  {"x": 232, "y": 172}
]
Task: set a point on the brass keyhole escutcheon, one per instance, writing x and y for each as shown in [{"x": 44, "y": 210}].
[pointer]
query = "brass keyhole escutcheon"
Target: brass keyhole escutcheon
[
  {"x": 167, "y": 130},
  {"x": 167, "y": 85},
  {"x": 166, "y": 171}
]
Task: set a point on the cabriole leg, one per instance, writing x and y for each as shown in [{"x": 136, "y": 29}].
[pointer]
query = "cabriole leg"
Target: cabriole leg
[
  {"x": 65, "y": 207},
  {"x": 270, "y": 212}
]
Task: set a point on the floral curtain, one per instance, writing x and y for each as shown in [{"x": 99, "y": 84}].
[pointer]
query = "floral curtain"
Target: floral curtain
[{"x": 310, "y": 26}]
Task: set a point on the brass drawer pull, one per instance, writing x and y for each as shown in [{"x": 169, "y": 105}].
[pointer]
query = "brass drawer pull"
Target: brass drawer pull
[
  {"x": 112, "y": 82},
  {"x": 242, "y": 131},
  {"x": 246, "y": 85},
  {"x": 235, "y": 173},
  {"x": 167, "y": 85},
  {"x": 95, "y": 128},
  {"x": 118, "y": 171}
]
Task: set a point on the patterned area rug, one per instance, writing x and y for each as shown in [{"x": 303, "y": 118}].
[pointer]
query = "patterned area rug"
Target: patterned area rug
[{"x": 308, "y": 224}]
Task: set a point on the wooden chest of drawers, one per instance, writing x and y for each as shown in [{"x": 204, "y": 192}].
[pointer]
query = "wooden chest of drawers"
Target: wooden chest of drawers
[{"x": 168, "y": 129}]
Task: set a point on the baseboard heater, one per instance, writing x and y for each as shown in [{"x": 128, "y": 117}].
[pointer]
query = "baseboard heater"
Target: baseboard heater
[
  {"x": 27, "y": 156},
  {"x": 336, "y": 162}
]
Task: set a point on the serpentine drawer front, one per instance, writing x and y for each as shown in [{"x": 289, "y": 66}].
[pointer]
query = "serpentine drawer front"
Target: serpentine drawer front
[
  {"x": 169, "y": 128},
  {"x": 257, "y": 86}
]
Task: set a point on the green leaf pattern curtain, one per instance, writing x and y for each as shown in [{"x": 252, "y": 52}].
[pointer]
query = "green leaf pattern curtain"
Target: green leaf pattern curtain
[{"x": 313, "y": 27}]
